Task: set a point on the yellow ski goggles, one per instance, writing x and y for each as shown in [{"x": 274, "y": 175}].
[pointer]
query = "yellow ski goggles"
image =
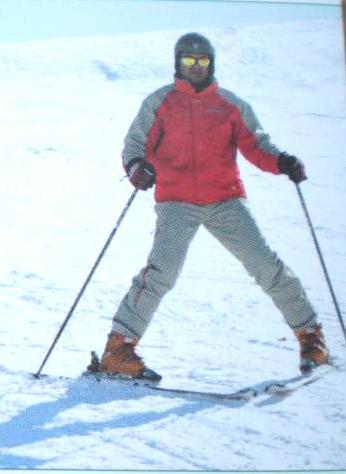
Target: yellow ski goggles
[{"x": 189, "y": 61}]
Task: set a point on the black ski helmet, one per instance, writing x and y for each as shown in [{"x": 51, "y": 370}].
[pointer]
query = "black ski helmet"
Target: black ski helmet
[{"x": 194, "y": 43}]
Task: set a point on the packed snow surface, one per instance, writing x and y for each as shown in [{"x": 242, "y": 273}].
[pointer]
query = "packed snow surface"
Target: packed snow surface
[{"x": 65, "y": 107}]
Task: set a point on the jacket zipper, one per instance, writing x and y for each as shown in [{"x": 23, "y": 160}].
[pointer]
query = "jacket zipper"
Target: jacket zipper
[{"x": 195, "y": 191}]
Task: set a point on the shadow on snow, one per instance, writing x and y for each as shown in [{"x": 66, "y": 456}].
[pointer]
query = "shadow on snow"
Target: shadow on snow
[{"x": 30, "y": 425}]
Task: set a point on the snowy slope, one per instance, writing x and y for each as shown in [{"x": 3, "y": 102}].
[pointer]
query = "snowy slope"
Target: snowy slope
[{"x": 65, "y": 106}]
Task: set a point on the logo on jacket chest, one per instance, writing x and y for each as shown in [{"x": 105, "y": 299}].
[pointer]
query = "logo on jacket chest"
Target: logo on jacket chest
[{"x": 215, "y": 115}]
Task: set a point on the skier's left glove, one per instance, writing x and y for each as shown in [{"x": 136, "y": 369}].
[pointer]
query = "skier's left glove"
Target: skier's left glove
[
  {"x": 141, "y": 174},
  {"x": 292, "y": 166}
]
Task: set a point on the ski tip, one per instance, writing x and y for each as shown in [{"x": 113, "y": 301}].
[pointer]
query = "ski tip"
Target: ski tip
[
  {"x": 248, "y": 393},
  {"x": 275, "y": 388}
]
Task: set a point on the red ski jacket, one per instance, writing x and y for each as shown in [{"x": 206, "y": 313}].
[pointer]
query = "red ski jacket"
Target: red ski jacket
[{"x": 192, "y": 139}]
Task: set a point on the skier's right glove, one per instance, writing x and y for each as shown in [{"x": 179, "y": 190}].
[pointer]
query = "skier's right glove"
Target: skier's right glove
[
  {"x": 292, "y": 166},
  {"x": 141, "y": 174}
]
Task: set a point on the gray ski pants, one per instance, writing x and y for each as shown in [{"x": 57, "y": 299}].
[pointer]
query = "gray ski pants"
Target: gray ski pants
[{"x": 233, "y": 225}]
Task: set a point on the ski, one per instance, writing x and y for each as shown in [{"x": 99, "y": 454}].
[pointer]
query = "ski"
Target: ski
[
  {"x": 277, "y": 387},
  {"x": 286, "y": 387},
  {"x": 245, "y": 394},
  {"x": 151, "y": 380}
]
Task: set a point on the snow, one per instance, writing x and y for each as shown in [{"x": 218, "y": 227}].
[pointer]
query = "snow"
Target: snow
[
  {"x": 65, "y": 106},
  {"x": 36, "y": 19}
]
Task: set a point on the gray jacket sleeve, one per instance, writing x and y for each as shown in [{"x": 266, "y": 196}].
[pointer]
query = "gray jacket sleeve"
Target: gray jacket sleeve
[
  {"x": 137, "y": 136},
  {"x": 251, "y": 122}
]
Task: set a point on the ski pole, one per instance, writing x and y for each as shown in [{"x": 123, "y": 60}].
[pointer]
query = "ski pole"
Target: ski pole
[
  {"x": 85, "y": 284},
  {"x": 319, "y": 252}
]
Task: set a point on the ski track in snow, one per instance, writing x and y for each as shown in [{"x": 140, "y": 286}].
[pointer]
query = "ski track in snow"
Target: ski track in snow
[{"x": 65, "y": 108}]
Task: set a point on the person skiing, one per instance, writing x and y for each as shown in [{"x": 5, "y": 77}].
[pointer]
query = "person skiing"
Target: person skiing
[{"x": 184, "y": 140}]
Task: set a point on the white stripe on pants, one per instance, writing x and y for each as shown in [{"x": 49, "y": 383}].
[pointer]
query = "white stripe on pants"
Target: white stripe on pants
[{"x": 232, "y": 224}]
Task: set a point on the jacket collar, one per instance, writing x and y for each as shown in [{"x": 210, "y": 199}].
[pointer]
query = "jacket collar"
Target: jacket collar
[{"x": 185, "y": 86}]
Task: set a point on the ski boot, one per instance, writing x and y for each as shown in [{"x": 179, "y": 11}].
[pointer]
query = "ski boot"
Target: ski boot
[
  {"x": 313, "y": 349},
  {"x": 120, "y": 360}
]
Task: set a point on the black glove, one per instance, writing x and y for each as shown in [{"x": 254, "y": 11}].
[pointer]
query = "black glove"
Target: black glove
[
  {"x": 141, "y": 174},
  {"x": 292, "y": 166}
]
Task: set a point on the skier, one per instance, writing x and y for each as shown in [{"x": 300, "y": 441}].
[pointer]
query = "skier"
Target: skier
[{"x": 185, "y": 140}]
